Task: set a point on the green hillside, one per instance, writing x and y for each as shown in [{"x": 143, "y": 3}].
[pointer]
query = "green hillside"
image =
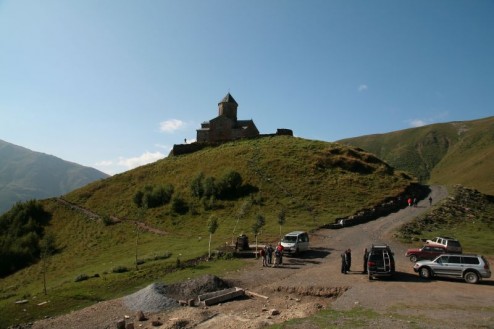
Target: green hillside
[
  {"x": 313, "y": 182},
  {"x": 445, "y": 153}
]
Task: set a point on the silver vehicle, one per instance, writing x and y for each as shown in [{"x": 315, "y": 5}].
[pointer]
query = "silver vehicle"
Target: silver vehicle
[
  {"x": 471, "y": 268},
  {"x": 295, "y": 242}
]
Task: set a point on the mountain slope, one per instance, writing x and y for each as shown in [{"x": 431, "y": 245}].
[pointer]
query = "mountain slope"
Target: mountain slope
[
  {"x": 446, "y": 153},
  {"x": 99, "y": 231},
  {"x": 25, "y": 175}
]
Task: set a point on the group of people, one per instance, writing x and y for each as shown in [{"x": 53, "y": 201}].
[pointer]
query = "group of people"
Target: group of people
[
  {"x": 346, "y": 261},
  {"x": 414, "y": 202},
  {"x": 267, "y": 255}
]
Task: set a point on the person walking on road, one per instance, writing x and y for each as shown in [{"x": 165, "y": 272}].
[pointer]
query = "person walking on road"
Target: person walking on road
[{"x": 366, "y": 258}]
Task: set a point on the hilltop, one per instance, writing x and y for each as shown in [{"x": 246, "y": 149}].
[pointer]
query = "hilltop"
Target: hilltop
[
  {"x": 450, "y": 153},
  {"x": 26, "y": 175}
]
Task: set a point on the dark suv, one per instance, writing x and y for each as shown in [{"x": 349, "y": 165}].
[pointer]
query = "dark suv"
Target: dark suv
[{"x": 380, "y": 262}]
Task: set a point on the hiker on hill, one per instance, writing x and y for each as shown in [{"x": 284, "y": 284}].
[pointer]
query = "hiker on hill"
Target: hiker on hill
[{"x": 430, "y": 201}]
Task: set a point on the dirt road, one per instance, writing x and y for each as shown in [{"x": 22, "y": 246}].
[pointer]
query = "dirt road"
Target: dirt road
[{"x": 304, "y": 285}]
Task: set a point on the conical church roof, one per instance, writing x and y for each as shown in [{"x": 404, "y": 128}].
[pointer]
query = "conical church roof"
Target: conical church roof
[{"x": 228, "y": 99}]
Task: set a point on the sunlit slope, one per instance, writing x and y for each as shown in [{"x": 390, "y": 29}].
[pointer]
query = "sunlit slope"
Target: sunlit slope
[
  {"x": 446, "y": 153},
  {"x": 314, "y": 182}
]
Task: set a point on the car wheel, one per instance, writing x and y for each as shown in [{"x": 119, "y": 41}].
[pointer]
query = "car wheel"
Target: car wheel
[
  {"x": 425, "y": 273},
  {"x": 471, "y": 277},
  {"x": 369, "y": 275},
  {"x": 413, "y": 258}
]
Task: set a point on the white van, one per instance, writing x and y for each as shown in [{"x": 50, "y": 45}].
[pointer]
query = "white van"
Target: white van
[{"x": 295, "y": 242}]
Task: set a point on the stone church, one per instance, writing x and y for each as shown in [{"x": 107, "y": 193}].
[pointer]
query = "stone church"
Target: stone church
[{"x": 226, "y": 126}]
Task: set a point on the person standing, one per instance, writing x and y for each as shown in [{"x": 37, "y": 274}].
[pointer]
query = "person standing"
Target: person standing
[
  {"x": 263, "y": 255},
  {"x": 343, "y": 262},
  {"x": 430, "y": 201},
  {"x": 366, "y": 258},
  {"x": 409, "y": 200},
  {"x": 269, "y": 253},
  {"x": 348, "y": 259}
]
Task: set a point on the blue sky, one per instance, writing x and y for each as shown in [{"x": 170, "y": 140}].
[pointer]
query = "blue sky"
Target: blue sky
[{"x": 114, "y": 84}]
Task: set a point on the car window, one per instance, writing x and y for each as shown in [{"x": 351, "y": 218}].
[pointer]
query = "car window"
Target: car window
[
  {"x": 452, "y": 243},
  {"x": 437, "y": 249},
  {"x": 426, "y": 248},
  {"x": 442, "y": 260},
  {"x": 454, "y": 259},
  {"x": 470, "y": 260},
  {"x": 290, "y": 239}
]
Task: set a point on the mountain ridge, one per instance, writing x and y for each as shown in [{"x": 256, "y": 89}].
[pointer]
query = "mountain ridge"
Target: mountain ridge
[
  {"x": 27, "y": 174},
  {"x": 458, "y": 152}
]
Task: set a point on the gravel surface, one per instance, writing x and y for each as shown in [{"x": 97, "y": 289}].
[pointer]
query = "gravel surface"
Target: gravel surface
[
  {"x": 151, "y": 299},
  {"x": 307, "y": 284}
]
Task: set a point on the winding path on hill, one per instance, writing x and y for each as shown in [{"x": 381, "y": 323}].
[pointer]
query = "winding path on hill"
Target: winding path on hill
[{"x": 115, "y": 220}]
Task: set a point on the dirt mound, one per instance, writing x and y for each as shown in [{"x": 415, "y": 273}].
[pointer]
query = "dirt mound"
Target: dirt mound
[
  {"x": 158, "y": 297},
  {"x": 153, "y": 298},
  {"x": 190, "y": 289}
]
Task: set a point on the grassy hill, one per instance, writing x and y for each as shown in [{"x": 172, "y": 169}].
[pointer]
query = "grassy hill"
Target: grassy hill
[
  {"x": 446, "y": 153},
  {"x": 26, "y": 175},
  {"x": 313, "y": 182}
]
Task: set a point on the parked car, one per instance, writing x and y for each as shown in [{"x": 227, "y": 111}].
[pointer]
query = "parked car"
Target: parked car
[
  {"x": 380, "y": 262},
  {"x": 426, "y": 252},
  {"x": 452, "y": 245},
  {"x": 295, "y": 242},
  {"x": 471, "y": 268}
]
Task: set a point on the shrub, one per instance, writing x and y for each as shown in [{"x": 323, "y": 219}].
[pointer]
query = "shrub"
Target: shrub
[
  {"x": 179, "y": 205},
  {"x": 196, "y": 186},
  {"x": 152, "y": 197},
  {"x": 81, "y": 277},
  {"x": 120, "y": 269}
]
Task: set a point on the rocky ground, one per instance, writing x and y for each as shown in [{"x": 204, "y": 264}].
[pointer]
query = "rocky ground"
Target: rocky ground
[{"x": 305, "y": 285}]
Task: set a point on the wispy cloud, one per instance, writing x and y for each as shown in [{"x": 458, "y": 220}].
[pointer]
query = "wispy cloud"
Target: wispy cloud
[
  {"x": 172, "y": 125},
  {"x": 141, "y": 160},
  {"x": 434, "y": 118},
  {"x": 122, "y": 164},
  {"x": 417, "y": 123},
  {"x": 362, "y": 88}
]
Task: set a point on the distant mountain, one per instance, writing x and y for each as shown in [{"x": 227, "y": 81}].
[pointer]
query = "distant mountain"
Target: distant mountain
[
  {"x": 26, "y": 175},
  {"x": 451, "y": 153}
]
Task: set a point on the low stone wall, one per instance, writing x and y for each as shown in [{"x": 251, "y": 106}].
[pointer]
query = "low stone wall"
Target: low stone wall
[
  {"x": 387, "y": 207},
  {"x": 181, "y": 149}
]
